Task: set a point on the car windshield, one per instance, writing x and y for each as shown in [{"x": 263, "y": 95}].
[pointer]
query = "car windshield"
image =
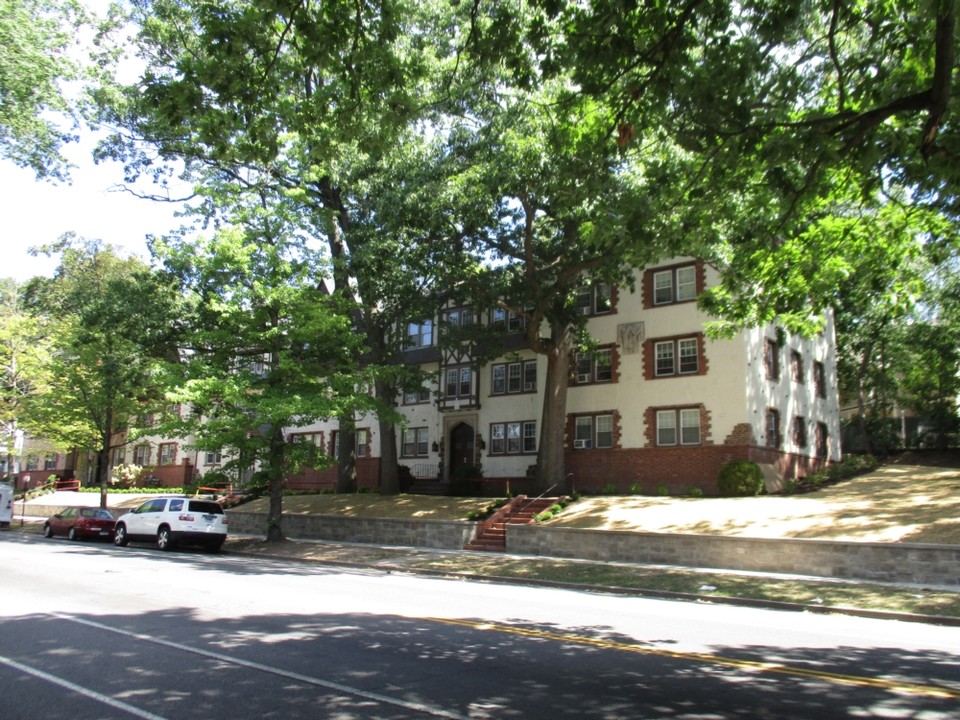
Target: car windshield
[{"x": 205, "y": 506}]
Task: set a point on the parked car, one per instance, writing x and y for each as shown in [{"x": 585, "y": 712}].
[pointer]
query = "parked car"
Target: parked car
[
  {"x": 81, "y": 522},
  {"x": 172, "y": 521}
]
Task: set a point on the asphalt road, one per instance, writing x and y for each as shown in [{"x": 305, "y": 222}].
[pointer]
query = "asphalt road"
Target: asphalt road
[{"x": 93, "y": 631}]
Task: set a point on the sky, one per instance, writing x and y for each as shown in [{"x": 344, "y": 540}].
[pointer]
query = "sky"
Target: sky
[{"x": 39, "y": 212}]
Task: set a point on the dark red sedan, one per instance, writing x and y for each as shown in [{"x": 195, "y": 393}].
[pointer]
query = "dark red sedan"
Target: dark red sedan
[{"x": 78, "y": 523}]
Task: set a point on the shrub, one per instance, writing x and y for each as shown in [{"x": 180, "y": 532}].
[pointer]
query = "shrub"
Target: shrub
[
  {"x": 609, "y": 489},
  {"x": 694, "y": 492},
  {"x": 635, "y": 489},
  {"x": 661, "y": 491},
  {"x": 740, "y": 478}
]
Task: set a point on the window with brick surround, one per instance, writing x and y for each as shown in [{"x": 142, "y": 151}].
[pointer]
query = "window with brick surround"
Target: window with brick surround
[
  {"x": 595, "y": 367},
  {"x": 674, "y": 285},
  {"x": 799, "y": 432},
  {"x": 595, "y": 299},
  {"x": 796, "y": 366},
  {"x": 771, "y": 359},
  {"x": 772, "y": 428},
  {"x": 678, "y": 426},
  {"x": 167, "y": 454},
  {"x": 821, "y": 440},
  {"x": 141, "y": 455},
  {"x": 820, "y": 379},
  {"x": 593, "y": 431},
  {"x": 677, "y": 357}
]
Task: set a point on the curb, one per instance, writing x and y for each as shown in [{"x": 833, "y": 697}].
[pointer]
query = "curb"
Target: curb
[{"x": 386, "y": 568}]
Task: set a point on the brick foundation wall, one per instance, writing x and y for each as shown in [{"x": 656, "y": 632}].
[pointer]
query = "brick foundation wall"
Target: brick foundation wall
[{"x": 368, "y": 476}]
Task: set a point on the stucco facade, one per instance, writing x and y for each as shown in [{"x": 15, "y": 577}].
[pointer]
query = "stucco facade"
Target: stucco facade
[{"x": 660, "y": 407}]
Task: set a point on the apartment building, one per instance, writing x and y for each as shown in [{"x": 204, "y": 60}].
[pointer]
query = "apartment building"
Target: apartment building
[{"x": 657, "y": 407}]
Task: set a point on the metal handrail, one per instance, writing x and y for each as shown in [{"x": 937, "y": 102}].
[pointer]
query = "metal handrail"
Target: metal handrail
[{"x": 539, "y": 497}]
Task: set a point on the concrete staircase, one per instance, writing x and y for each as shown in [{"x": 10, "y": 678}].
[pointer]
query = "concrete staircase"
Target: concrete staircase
[{"x": 492, "y": 532}]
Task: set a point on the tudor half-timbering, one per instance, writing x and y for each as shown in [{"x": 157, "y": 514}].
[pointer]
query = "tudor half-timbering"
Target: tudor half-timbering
[{"x": 657, "y": 404}]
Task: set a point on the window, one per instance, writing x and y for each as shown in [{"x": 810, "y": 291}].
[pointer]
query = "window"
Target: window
[
  {"x": 420, "y": 334},
  {"x": 594, "y": 299},
  {"x": 213, "y": 457},
  {"x": 363, "y": 443},
  {"x": 413, "y": 397},
  {"x": 680, "y": 356},
  {"x": 675, "y": 285},
  {"x": 595, "y": 367},
  {"x": 118, "y": 456},
  {"x": 167, "y": 453},
  {"x": 460, "y": 317},
  {"x": 821, "y": 440},
  {"x": 796, "y": 366},
  {"x": 773, "y": 428},
  {"x": 509, "y": 320},
  {"x": 50, "y": 461},
  {"x": 415, "y": 442},
  {"x": 514, "y": 377},
  {"x": 681, "y": 423},
  {"x": 819, "y": 379},
  {"x": 771, "y": 360},
  {"x": 674, "y": 356},
  {"x": 593, "y": 431},
  {"x": 799, "y": 432},
  {"x": 459, "y": 382},
  {"x": 141, "y": 455},
  {"x": 361, "y": 447},
  {"x": 513, "y": 438},
  {"x": 33, "y": 462}
]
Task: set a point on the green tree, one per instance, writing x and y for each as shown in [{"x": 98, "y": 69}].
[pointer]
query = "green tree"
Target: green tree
[
  {"x": 23, "y": 352},
  {"x": 311, "y": 103},
  {"x": 790, "y": 112},
  {"x": 108, "y": 318},
  {"x": 264, "y": 348},
  {"x": 37, "y": 118}
]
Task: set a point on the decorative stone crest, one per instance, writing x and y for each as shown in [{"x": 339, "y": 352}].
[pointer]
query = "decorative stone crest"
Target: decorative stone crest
[{"x": 630, "y": 337}]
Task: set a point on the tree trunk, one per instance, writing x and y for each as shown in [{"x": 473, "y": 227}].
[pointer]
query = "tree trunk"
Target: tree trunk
[
  {"x": 389, "y": 460},
  {"x": 276, "y": 479},
  {"x": 347, "y": 457},
  {"x": 103, "y": 458},
  {"x": 551, "y": 466}
]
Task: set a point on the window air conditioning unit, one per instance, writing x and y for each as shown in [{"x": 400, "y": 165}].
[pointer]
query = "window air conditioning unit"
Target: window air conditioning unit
[
  {"x": 581, "y": 444},
  {"x": 583, "y": 378}
]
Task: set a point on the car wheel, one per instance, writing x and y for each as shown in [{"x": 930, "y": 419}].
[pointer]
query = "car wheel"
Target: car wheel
[
  {"x": 120, "y": 536},
  {"x": 164, "y": 540},
  {"x": 73, "y": 534},
  {"x": 47, "y": 530}
]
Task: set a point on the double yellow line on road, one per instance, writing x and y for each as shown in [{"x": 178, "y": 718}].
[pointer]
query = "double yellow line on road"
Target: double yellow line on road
[{"x": 896, "y": 686}]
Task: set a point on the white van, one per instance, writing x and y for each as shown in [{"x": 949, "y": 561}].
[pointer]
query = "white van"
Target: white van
[{"x": 6, "y": 505}]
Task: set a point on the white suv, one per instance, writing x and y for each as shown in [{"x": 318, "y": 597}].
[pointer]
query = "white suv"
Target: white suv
[{"x": 170, "y": 521}]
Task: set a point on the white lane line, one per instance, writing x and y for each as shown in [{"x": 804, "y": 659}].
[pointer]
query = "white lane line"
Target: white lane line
[
  {"x": 86, "y": 692},
  {"x": 306, "y": 679}
]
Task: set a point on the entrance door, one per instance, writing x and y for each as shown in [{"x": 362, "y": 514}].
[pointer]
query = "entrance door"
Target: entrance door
[{"x": 461, "y": 448}]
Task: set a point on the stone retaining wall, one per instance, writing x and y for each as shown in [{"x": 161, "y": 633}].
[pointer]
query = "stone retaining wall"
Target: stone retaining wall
[
  {"x": 883, "y": 562},
  {"x": 438, "y": 534}
]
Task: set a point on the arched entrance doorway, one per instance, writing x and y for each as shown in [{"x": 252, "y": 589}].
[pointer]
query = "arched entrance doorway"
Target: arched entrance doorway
[{"x": 461, "y": 448}]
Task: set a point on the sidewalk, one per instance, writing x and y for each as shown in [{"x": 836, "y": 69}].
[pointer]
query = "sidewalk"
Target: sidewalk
[
  {"x": 914, "y": 603},
  {"x": 934, "y": 605}
]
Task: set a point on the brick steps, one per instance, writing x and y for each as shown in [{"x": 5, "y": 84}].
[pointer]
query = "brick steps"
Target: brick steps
[{"x": 492, "y": 532}]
